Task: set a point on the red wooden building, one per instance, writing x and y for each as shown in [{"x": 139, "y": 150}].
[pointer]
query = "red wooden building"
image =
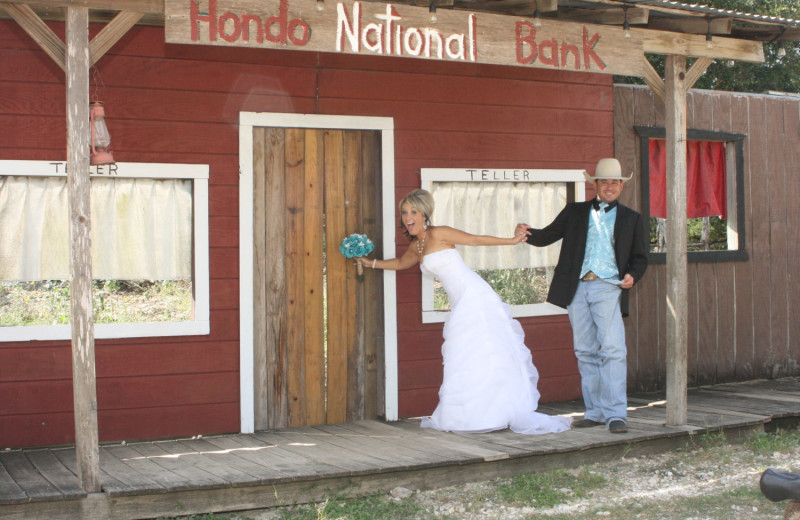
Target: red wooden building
[{"x": 289, "y": 143}]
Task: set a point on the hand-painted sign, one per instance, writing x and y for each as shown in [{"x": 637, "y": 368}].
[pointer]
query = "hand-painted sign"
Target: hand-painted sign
[{"x": 385, "y": 29}]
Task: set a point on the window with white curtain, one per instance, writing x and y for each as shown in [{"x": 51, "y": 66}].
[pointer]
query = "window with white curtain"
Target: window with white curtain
[
  {"x": 149, "y": 227},
  {"x": 492, "y": 202}
]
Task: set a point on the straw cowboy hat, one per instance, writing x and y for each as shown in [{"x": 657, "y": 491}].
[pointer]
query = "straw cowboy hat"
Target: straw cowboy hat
[{"x": 607, "y": 169}]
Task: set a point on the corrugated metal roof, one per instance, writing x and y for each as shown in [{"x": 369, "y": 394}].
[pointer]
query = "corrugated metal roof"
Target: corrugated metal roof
[{"x": 705, "y": 9}]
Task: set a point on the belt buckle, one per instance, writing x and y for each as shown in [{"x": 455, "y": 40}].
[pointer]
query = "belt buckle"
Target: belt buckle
[{"x": 589, "y": 277}]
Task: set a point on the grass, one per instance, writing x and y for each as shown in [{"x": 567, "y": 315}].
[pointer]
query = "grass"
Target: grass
[
  {"x": 114, "y": 301},
  {"x": 767, "y": 443},
  {"x": 368, "y": 508},
  {"x": 374, "y": 507},
  {"x": 548, "y": 489}
]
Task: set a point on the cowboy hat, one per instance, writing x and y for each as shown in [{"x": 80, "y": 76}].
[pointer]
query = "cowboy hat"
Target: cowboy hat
[{"x": 607, "y": 169}]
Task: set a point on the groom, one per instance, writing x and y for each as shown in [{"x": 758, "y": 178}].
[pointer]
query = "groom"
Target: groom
[{"x": 603, "y": 254}]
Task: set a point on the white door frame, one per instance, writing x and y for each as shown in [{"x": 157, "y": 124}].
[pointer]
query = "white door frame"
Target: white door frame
[{"x": 248, "y": 120}]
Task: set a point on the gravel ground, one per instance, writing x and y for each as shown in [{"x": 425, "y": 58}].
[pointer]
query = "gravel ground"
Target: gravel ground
[{"x": 719, "y": 481}]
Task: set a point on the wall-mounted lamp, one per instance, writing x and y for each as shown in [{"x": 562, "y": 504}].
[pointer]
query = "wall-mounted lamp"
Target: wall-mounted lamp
[
  {"x": 320, "y": 5},
  {"x": 782, "y": 49},
  {"x": 709, "y": 42},
  {"x": 537, "y": 22},
  {"x": 626, "y": 26},
  {"x": 101, "y": 139},
  {"x": 432, "y": 11}
]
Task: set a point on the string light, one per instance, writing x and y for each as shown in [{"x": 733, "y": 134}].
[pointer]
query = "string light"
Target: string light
[
  {"x": 782, "y": 50},
  {"x": 709, "y": 42},
  {"x": 536, "y": 13},
  {"x": 320, "y": 5},
  {"x": 432, "y": 11}
]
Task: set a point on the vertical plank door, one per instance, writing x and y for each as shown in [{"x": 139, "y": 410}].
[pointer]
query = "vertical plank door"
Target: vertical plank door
[{"x": 317, "y": 328}]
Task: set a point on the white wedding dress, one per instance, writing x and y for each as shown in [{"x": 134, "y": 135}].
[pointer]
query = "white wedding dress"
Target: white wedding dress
[{"x": 489, "y": 379}]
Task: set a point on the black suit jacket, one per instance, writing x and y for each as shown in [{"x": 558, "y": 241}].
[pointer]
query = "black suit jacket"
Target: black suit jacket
[{"x": 631, "y": 244}]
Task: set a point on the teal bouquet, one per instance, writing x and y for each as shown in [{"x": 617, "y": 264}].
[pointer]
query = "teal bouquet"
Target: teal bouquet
[{"x": 356, "y": 246}]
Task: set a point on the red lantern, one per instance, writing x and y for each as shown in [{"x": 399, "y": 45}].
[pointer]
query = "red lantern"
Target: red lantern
[{"x": 101, "y": 139}]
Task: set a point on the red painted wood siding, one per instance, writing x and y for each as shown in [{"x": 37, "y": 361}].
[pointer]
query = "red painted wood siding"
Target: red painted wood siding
[{"x": 172, "y": 103}]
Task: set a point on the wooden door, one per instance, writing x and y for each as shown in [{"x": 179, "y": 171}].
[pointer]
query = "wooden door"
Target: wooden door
[{"x": 317, "y": 350}]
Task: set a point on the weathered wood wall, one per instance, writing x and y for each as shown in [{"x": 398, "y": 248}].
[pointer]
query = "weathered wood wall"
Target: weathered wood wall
[
  {"x": 173, "y": 103},
  {"x": 742, "y": 315}
]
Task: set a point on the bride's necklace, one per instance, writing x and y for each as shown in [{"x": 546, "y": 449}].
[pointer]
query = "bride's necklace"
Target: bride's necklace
[{"x": 421, "y": 243}]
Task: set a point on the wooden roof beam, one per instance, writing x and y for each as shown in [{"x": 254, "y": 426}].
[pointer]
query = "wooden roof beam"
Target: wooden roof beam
[
  {"x": 653, "y": 79},
  {"x": 137, "y": 6},
  {"x": 111, "y": 34},
  {"x": 515, "y": 7},
  {"x": 692, "y": 25},
  {"x": 696, "y": 46},
  {"x": 610, "y": 16},
  {"x": 658, "y": 85},
  {"x": 52, "y": 45},
  {"x": 39, "y": 31}
]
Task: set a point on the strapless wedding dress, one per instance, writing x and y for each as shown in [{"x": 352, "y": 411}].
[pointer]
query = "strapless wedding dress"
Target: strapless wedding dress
[{"x": 489, "y": 378}]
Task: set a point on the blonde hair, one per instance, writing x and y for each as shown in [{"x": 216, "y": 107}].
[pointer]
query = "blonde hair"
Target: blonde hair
[{"x": 422, "y": 200}]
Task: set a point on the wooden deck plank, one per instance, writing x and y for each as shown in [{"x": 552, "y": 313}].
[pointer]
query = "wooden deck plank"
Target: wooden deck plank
[
  {"x": 391, "y": 450},
  {"x": 134, "y": 465},
  {"x": 710, "y": 404},
  {"x": 190, "y": 453},
  {"x": 516, "y": 444},
  {"x": 767, "y": 395},
  {"x": 250, "y": 456},
  {"x": 56, "y": 473},
  {"x": 10, "y": 492},
  {"x": 726, "y": 411},
  {"x": 308, "y": 453},
  {"x": 342, "y": 452},
  {"x": 427, "y": 440},
  {"x": 768, "y": 404},
  {"x": 28, "y": 478},
  {"x": 738, "y": 407},
  {"x": 219, "y": 462},
  {"x": 714, "y": 420},
  {"x": 466, "y": 448},
  {"x": 108, "y": 482},
  {"x": 466, "y": 441},
  {"x": 180, "y": 466},
  {"x": 117, "y": 478},
  {"x": 292, "y": 465}
]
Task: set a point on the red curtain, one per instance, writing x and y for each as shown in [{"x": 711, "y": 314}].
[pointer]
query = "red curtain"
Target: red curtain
[{"x": 705, "y": 177}]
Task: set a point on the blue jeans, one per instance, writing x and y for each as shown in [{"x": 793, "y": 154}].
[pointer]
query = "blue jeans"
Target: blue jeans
[{"x": 599, "y": 338}]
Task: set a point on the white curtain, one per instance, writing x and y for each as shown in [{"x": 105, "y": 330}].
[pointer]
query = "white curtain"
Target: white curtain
[
  {"x": 141, "y": 228},
  {"x": 495, "y": 208}
]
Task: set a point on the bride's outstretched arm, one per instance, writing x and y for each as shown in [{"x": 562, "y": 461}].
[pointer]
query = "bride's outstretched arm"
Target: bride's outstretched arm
[
  {"x": 457, "y": 237},
  {"x": 409, "y": 259}
]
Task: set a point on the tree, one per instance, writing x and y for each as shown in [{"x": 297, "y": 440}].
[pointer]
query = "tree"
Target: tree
[{"x": 777, "y": 73}]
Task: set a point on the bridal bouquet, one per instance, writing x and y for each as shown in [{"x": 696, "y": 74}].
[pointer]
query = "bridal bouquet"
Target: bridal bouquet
[{"x": 356, "y": 246}]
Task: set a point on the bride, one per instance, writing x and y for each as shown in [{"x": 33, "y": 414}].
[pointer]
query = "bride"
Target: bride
[{"x": 489, "y": 378}]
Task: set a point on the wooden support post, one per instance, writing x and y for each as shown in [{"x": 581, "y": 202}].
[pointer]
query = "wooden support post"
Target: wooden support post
[
  {"x": 677, "y": 336},
  {"x": 84, "y": 385},
  {"x": 653, "y": 80}
]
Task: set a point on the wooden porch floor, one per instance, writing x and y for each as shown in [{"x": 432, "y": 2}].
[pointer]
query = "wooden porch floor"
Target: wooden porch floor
[{"x": 296, "y": 465}]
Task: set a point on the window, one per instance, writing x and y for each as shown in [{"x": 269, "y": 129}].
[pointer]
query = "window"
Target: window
[
  {"x": 715, "y": 194},
  {"x": 149, "y": 230},
  {"x": 492, "y": 202}
]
